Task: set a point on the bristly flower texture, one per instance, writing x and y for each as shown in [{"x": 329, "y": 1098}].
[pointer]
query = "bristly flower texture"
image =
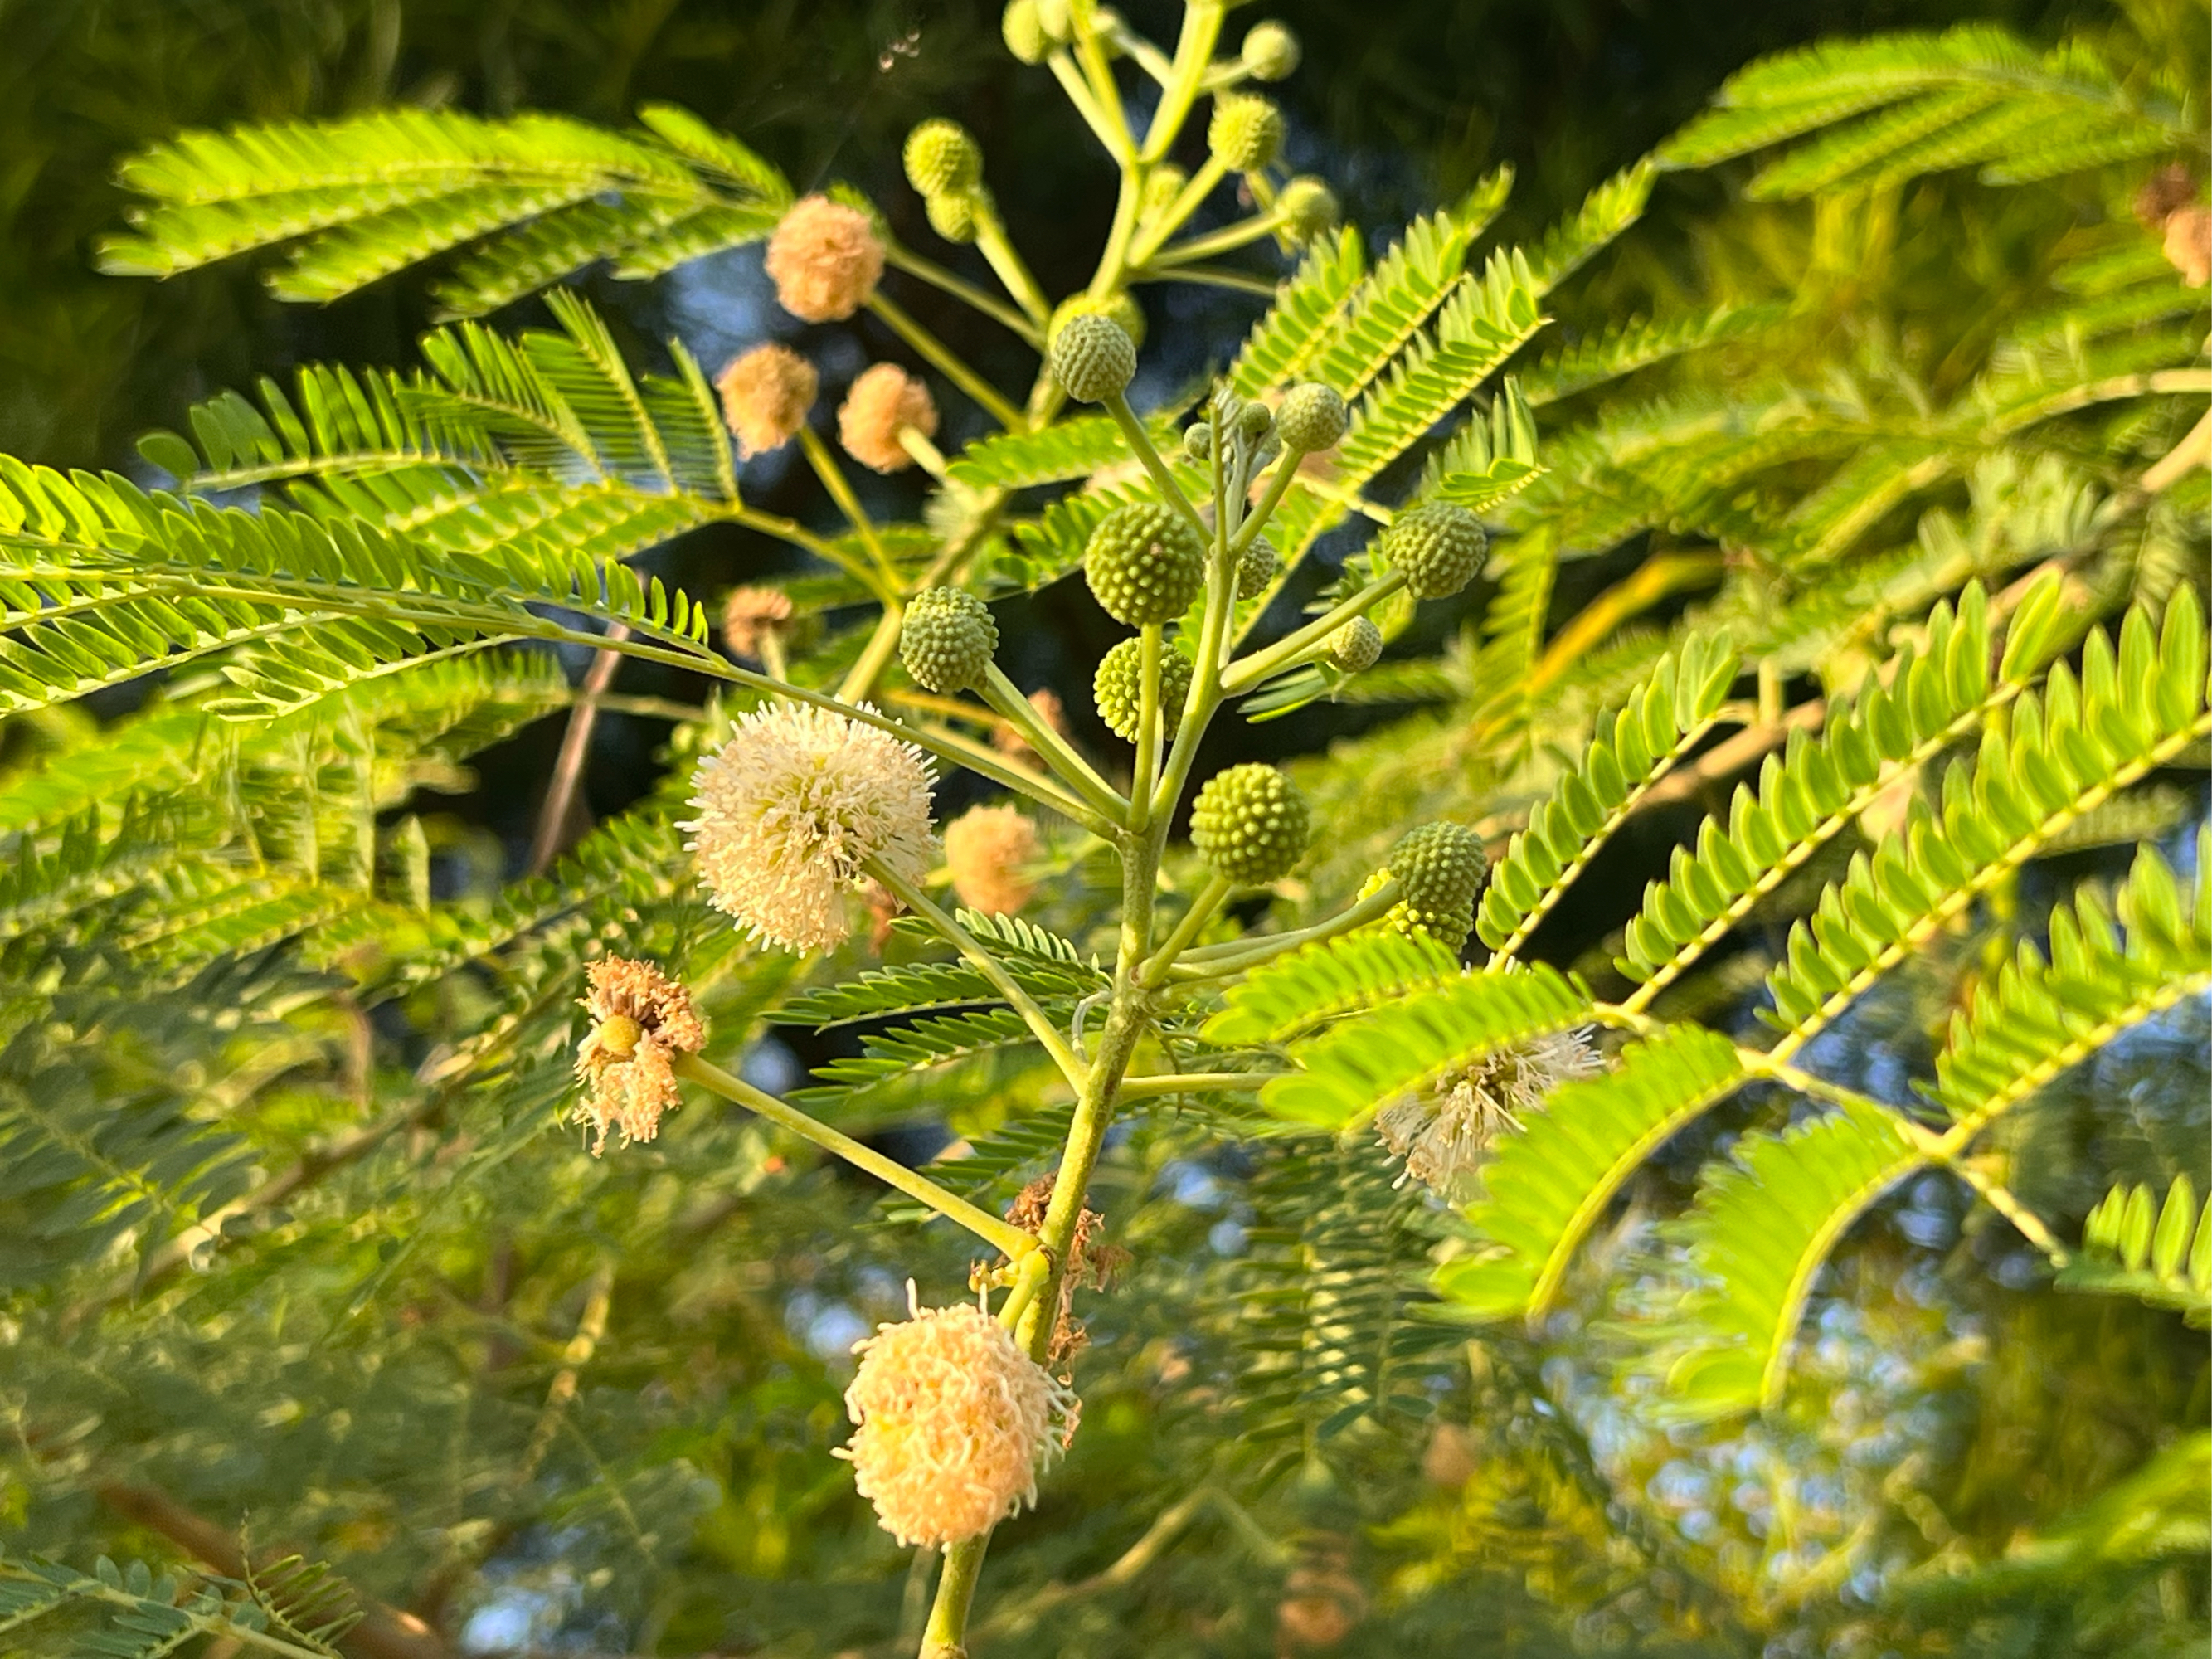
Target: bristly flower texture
[
  {"x": 641, "y": 1018},
  {"x": 790, "y": 810},
  {"x": 955, "y": 1423},
  {"x": 765, "y": 396},
  {"x": 883, "y": 402},
  {"x": 986, "y": 848},
  {"x": 1443, "y": 1138},
  {"x": 824, "y": 259}
]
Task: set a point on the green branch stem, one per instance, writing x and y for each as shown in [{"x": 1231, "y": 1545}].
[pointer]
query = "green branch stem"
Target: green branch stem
[
  {"x": 1248, "y": 672},
  {"x": 1148, "y": 455},
  {"x": 947, "y": 363},
  {"x": 1207, "y": 900},
  {"x": 1226, "y": 239},
  {"x": 1197, "y": 1083},
  {"x": 1002, "y": 1236},
  {"x": 841, "y": 491},
  {"x": 1188, "y": 200},
  {"x": 1007, "y": 698},
  {"x": 1040, "y": 1026},
  {"x": 900, "y": 257},
  {"x": 1239, "y": 956}
]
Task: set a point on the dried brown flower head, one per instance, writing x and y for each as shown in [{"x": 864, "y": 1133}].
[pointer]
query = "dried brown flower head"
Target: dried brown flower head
[
  {"x": 986, "y": 847},
  {"x": 954, "y": 1424},
  {"x": 766, "y": 395},
  {"x": 641, "y": 1018},
  {"x": 749, "y": 614},
  {"x": 824, "y": 259},
  {"x": 2188, "y": 243},
  {"x": 1089, "y": 1264},
  {"x": 882, "y": 403}
]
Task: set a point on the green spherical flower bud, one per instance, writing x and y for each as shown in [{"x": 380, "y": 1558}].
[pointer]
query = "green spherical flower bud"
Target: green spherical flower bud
[
  {"x": 1309, "y": 208},
  {"x": 952, "y": 215},
  {"x": 1161, "y": 189},
  {"x": 1246, "y": 132},
  {"x": 1438, "y": 545},
  {"x": 1250, "y": 824},
  {"x": 1270, "y": 51},
  {"x": 1257, "y": 565},
  {"x": 1312, "y": 418},
  {"x": 1146, "y": 563},
  {"x": 1198, "y": 441},
  {"x": 947, "y": 640},
  {"x": 1120, "y": 308},
  {"x": 940, "y": 156},
  {"x": 1054, "y": 18},
  {"x": 1118, "y": 688},
  {"x": 1093, "y": 358},
  {"x": 1355, "y": 645},
  {"x": 1255, "y": 421},
  {"x": 1024, "y": 31},
  {"x": 1439, "y": 868}
]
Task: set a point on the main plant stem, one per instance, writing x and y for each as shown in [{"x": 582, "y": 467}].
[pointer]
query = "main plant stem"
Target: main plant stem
[{"x": 945, "y": 1635}]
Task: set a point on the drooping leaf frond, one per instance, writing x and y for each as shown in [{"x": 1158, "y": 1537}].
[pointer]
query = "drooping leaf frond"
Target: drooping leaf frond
[
  {"x": 538, "y": 196},
  {"x": 2162, "y": 1254},
  {"x": 1320, "y": 982}
]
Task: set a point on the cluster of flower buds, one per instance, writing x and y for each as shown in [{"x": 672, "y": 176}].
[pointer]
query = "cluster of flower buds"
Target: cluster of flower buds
[{"x": 945, "y": 164}]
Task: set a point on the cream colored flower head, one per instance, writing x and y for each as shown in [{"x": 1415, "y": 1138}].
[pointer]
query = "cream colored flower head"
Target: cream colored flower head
[
  {"x": 641, "y": 1020},
  {"x": 883, "y": 402},
  {"x": 1444, "y": 1137},
  {"x": 954, "y": 1422},
  {"x": 748, "y": 613},
  {"x": 766, "y": 395},
  {"x": 793, "y": 807},
  {"x": 986, "y": 848},
  {"x": 825, "y": 259}
]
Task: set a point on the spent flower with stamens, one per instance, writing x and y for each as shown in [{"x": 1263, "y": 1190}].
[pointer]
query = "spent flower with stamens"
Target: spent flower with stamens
[
  {"x": 883, "y": 402},
  {"x": 750, "y": 614},
  {"x": 791, "y": 810},
  {"x": 641, "y": 1020},
  {"x": 954, "y": 1424},
  {"x": 766, "y": 395},
  {"x": 988, "y": 849},
  {"x": 825, "y": 259},
  {"x": 1443, "y": 1137}
]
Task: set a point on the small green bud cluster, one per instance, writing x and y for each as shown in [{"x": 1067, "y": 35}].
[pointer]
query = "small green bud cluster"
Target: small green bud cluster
[
  {"x": 1270, "y": 51},
  {"x": 1093, "y": 357},
  {"x": 1258, "y": 565},
  {"x": 1246, "y": 132},
  {"x": 1146, "y": 563},
  {"x": 943, "y": 163},
  {"x": 1119, "y": 307},
  {"x": 1250, "y": 824},
  {"x": 1031, "y": 28},
  {"x": 1438, "y": 545},
  {"x": 947, "y": 640},
  {"x": 1118, "y": 688},
  {"x": 1355, "y": 645},
  {"x": 1439, "y": 868},
  {"x": 1309, "y": 208}
]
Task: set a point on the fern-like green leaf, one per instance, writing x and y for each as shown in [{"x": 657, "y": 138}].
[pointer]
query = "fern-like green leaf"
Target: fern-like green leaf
[
  {"x": 1663, "y": 719},
  {"x": 2162, "y": 1254},
  {"x": 1317, "y": 983}
]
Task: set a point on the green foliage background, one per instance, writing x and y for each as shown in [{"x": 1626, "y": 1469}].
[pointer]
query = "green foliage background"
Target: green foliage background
[{"x": 1966, "y": 1458}]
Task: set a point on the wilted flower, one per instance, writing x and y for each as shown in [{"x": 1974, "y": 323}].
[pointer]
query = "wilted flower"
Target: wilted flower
[
  {"x": 641, "y": 1018},
  {"x": 882, "y": 403},
  {"x": 986, "y": 847},
  {"x": 766, "y": 394},
  {"x": 825, "y": 259},
  {"x": 790, "y": 809},
  {"x": 748, "y": 615},
  {"x": 1442, "y": 1137},
  {"x": 954, "y": 1422}
]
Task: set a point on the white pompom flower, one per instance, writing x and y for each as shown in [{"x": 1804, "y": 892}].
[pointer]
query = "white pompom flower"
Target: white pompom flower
[
  {"x": 1444, "y": 1137},
  {"x": 794, "y": 807}
]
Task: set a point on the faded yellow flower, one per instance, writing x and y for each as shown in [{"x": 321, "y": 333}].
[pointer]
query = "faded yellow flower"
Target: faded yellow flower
[
  {"x": 1443, "y": 1137},
  {"x": 883, "y": 402},
  {"x": 641, "y": 1018},
  {"x": 955, "y": 1423},
  {"x": 748, "y": 615},
  {"x": 791, "y": 809},
  {"x": 824, "y": 259},
  {"x": 986, "y": 847},
  {"x": 766, "y": 395}
]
